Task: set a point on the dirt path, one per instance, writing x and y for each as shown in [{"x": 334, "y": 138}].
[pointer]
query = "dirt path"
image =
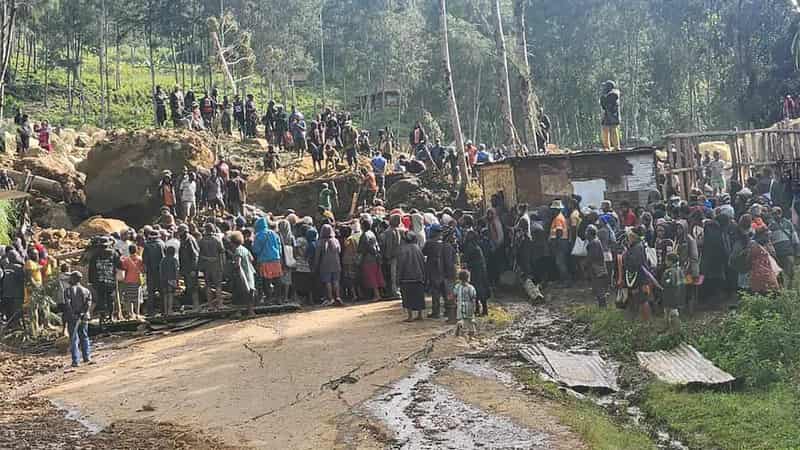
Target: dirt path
[
  {"x": 267, "y": 383},
  {"x": 345, "y": 378}
]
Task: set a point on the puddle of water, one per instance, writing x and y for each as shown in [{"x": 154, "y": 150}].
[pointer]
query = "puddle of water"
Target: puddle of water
[
  {"x": 482, "y": 369},
  {"x": 73, "y": 414},
  {"x": 424, "y": 415}
]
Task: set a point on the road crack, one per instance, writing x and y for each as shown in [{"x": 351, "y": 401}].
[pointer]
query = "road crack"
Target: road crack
[{"x": 256, "y": 352}]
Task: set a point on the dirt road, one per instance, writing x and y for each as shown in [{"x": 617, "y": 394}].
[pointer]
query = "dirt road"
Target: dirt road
[{"x": 332, "y": 378}]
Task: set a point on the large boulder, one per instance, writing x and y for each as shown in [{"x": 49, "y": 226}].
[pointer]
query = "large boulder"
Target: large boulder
[
  {"x": 303, "y": 197},
  {"x": 263, "y": 189},
  {"x": 55, "y": 166},
  {"x": 123, "y": 170},
  {"x": 49, "y": 214},
  {"x": 99, "y": 226},
  {"x": 400, "y": 190}
]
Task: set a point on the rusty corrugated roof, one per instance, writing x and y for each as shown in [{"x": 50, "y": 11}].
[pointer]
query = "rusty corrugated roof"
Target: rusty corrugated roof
[
  {"x": 683, "y": 365},
  {"x": 573, "y": 369}
]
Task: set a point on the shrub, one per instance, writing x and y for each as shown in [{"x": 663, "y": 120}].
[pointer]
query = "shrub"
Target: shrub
[{"x": 759, "y": 343}]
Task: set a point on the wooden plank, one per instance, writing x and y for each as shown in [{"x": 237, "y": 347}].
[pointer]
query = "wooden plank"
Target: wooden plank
[{"x": 729, "y": 133}]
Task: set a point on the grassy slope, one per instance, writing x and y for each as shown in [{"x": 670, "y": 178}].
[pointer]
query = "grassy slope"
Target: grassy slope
[
  {"x": 748, "y": 418},
  {"x": 131, "y": 105}
]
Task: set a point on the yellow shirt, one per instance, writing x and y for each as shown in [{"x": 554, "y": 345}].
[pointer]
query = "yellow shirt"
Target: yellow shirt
[{"x": 34, "y": 271}]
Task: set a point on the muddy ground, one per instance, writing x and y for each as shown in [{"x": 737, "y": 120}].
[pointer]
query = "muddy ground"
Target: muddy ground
[{"x": 345, "y": 378}]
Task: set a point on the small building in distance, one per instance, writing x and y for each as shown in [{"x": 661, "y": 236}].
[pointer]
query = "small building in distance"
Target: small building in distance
[{"x": 622, "y": 176}]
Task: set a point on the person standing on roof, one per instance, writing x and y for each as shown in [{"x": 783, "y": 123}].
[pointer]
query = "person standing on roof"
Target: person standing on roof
[{"x": 610, "y": 102}]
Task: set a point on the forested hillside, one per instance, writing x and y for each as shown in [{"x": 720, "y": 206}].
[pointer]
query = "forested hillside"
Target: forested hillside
[{"x": 681, "y": 64}]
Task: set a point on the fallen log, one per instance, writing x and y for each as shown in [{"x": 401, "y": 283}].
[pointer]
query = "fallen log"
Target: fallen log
[
  {"x": 46, "y": 186},
  {"x": 184, "y": 321}
]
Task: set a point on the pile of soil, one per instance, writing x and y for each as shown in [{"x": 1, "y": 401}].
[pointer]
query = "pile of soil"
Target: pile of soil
[{"x": 60, "y": 241}]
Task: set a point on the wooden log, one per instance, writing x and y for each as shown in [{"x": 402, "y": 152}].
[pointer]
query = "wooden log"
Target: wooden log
[{"x": 46, "y": 186}]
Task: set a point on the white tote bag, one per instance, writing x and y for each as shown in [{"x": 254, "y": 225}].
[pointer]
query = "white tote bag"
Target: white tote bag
[
  {"x": 288, "y": 256},
  {"x": 579, "y": 249}
]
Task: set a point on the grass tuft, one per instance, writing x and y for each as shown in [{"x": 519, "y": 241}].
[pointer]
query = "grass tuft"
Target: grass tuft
[{"x": 588, "y": 420}]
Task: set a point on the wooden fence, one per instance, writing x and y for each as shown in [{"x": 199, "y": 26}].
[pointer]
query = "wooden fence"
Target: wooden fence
[{"x": 750, "y": 150}]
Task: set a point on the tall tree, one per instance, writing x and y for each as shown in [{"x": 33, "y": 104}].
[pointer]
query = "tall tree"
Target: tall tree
[
  {"x": 527, "y": 96},
  {"x": 7, "y": 28},
  {"x": 451, "y": 96},
  {"x": 503, "y": 85}
]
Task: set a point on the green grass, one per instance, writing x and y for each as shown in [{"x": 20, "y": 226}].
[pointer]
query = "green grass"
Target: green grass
[
  {"x": 759, "y": 343},
  {"x": 624, "y": 337},
  {"x": 731, "y": 420},
  {"x": 131, "y": 104},
  {"x": 499, "y": 316},
  {"x": 589, "y": 421},
  {"x": 8, "y": 221}
]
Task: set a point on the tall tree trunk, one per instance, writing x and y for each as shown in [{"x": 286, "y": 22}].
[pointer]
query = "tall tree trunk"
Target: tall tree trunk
[
  {"x": 222, "y": 61},
  {"x": 79, "y": 76},
  {"x": 529, "y": 100},
  {"x": 503, "y": 86},
  {"x": 28, "y": 57},
  {"x": 477, "y": 105},
  {"x": 172, "y": 47},
  {"x": 451, "y": 97},
  {"x": 117, "y": 58},
  {"x": 70, "y": 81},
  {"x": 101, "y": 57},
  {"x": 46, "y": 51},
  {"x": 321, "y": 52},
  {"x": 150, "y": 51},
  {"x": 7, "y": 24}
]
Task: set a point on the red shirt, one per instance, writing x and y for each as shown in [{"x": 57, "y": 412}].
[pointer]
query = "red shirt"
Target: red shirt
[{"x": 629, "y": 219}]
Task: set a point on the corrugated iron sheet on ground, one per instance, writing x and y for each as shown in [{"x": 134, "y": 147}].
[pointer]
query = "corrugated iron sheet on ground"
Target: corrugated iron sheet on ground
[
  {"x": 572, "y": 369},
  {"x": 683, "y": 365}
]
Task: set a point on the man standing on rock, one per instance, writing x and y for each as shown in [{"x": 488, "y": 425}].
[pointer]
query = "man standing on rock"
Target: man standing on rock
[
  {"x": 152, "y": 256},
  {"x": 176, "y": 106},
  {"x": 160, "y": 101},
  {"x": 166, "y": 191},
  {"x": 349, "y": 142},
  {"x": 237, "y": 194},
  {"x": 251, "y": 116},
  {"x": 208, "y": 107},
  {"x": 188, "y": 257},
  {"x": 281, "y": 126},
  {"x": 215, "y": 192},
  {"x": 379, "y": 169},
  {"x": 238, "y": 112},
  {"x": 227, "y": 116},
  {"x": 188, "y": 193}
]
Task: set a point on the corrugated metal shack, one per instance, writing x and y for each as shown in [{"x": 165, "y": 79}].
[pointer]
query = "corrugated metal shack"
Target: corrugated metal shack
[{"x": 627, "y": 175}]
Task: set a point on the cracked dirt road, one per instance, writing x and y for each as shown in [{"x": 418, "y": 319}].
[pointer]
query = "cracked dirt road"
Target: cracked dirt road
[
  {"x": 273, "y": 382},
  {"x": 354, "y": 378}
]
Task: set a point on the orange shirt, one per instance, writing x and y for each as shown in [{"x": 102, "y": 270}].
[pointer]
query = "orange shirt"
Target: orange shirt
[
  {"x": 133, "y": 267},
  {"x": 559, "y": 223}
]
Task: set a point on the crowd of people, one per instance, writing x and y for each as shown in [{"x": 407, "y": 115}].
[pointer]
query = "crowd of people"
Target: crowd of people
[{"x": 726, "y": 238}]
